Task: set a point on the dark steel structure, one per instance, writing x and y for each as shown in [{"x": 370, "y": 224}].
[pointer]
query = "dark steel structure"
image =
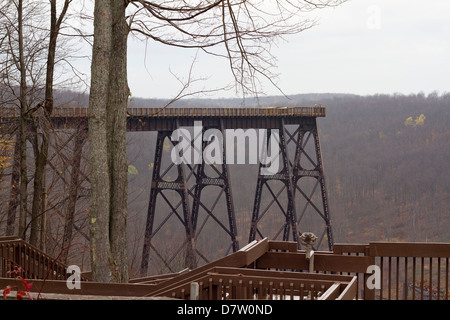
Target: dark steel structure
[
  {"x": 297, "y": 129},
  {"x": 304, "y": 123},
  {"x": 292, "y": 176},
  {"x": 189, "y": 219}
]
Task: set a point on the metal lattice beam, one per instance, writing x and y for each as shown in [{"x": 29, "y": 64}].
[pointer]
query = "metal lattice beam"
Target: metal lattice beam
[{"x": 291, "y": 177}]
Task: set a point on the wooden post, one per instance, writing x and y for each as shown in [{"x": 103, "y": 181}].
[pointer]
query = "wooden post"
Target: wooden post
[{"x": 194, "y": 291}]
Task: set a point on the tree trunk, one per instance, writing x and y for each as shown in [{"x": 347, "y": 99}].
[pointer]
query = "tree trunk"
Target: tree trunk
[
  {"x": 14, "y": 189},
  {"x": 22, "y": 128},
  {"x": 73, "y": 192},
  {"x": 42, "y": 151},
  {"x": 117, "y": 130},
  {"x": 41, "y": 155},
  {"x": 107, "y": 141},
  {"x": 43, "y": 222},
  {"x": 98, "y": 156}
]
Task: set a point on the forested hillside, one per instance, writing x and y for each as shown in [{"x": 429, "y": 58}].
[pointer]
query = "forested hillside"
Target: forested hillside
[
  {"x": 388, "y": 169},
  {"x": 386, "y": 164},
  {"x": 386, "y": 160}
]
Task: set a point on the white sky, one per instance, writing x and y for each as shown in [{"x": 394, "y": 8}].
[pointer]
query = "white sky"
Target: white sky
[{"x": 362, "y": 47}]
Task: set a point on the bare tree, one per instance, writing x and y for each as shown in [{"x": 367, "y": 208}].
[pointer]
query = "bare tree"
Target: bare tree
[
  {"x": 66, "y": 192},
  {"x": 240, "y": 31},
  {"x": 19, "y": 70},
  {"x": 98, "y": 151},
  {"x": 29, "y": 54},
  {"x": 243, "y": 32},
  {"x": 43, "y": 145},
  {"x": 74, "y": 187}
]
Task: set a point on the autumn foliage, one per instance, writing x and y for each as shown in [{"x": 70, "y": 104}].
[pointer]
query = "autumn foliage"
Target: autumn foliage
[{"x": 17, "y": 272}]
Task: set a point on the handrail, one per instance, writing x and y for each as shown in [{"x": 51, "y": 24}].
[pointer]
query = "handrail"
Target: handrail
[
  {"x": 270, "y": 269},
  {"x": 237, "y": 259},
  {"x": 34, "y": 263},
  {"x": 408, "y": 270},
  {"x": 213, "y": 286},
  {"x": 220, "y": 283},
  {"x": 69, "y": 112}
]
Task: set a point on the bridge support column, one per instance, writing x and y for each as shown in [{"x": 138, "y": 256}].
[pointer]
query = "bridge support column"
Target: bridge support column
[
  {"x": 222, "y": 183},
  {"x": 160, "y": 183},
  {"x": 302, "y": 206},
  {"x": 206, "y": 211}
]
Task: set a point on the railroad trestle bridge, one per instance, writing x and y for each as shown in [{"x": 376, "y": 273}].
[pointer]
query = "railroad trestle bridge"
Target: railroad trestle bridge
[{"x": 299, "y": 156}]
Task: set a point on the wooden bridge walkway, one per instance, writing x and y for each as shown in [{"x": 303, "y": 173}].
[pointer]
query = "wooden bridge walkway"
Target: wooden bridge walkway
[{"x": 160, "y": 119}]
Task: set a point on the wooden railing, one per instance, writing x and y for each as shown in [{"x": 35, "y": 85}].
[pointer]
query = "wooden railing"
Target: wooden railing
[
  {"x": 18, "y": 257},
  {"x": 316, "y": 111},
  {"x": 242, "y": 283},
  {"x": 329, "y": 263},
  {"x": 237, "y": 276},
  {"x": 269, "y": 270},
  {"x": 409, "y": 271}
]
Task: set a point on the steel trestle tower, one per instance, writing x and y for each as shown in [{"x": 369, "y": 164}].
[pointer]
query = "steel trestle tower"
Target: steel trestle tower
[{"x": 299, "y": 205}]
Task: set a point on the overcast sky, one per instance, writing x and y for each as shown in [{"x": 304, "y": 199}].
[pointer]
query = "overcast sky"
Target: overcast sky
[{"x": 362, "y": 47}]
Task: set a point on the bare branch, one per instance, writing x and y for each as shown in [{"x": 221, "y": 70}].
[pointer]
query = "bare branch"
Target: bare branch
[{"x": 240, "y": 31}]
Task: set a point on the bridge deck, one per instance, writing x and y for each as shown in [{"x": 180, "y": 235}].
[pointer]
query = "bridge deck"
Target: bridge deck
[{"x": 154, "y": 119}]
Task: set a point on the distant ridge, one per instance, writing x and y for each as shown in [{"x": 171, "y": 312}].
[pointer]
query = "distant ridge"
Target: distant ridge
[
  {"x": 291, "y": 100},
  {"x": 73, "y": 98}
]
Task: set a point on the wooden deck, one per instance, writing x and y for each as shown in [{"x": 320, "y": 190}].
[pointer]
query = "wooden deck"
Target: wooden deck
[{"x": 262, "y": 270}]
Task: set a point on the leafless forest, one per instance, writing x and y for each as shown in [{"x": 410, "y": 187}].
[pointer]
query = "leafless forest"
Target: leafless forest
[{"x": 386, "y": 165}]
